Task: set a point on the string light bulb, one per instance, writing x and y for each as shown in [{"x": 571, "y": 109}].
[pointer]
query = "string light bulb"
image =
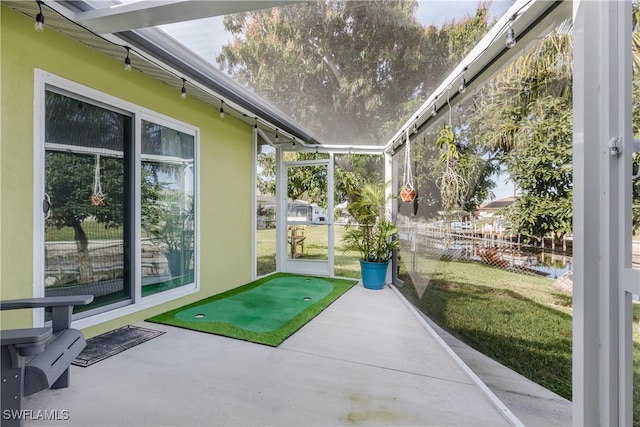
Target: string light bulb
[
  {"x": 183, "y": 91},
  {"x": 463, "y": 82},
  {"x": 255, "y": 125},
  {"x": 276, "y": 135},
  {"x": 222, "y": 108},
  {"x": 510, "y": 40},
  {"x": 415, "y": 128},
  {"x": 39, "y": 24},
  {"x": 434, "y": 110},
  {"x": 127, "y": 60}
]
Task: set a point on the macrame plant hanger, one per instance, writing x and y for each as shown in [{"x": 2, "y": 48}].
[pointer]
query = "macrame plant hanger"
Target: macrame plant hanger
[
  {"x": 407, "y": 192},
  {"x": 97, "y": 199}
]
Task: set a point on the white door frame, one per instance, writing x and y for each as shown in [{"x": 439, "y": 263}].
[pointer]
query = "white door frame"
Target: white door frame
[{"x": 302, "y": 266}]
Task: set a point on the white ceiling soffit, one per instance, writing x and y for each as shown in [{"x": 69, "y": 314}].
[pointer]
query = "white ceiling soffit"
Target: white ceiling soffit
[
  {"x": 534, "y": 20},
  {"x": 144, "y": 14}
]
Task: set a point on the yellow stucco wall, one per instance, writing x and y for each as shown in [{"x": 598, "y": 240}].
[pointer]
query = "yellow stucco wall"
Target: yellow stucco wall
[{"x": 225, "y": 162}]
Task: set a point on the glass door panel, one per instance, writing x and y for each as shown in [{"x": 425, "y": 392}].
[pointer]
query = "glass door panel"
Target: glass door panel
[
  {"x": 308, "y": 225},
  {"x": 86, "y": 226},
  {"x": 307, "y": 212},
  {"x": 266, "y": 209},
  {"x": 167, "y": 208}
]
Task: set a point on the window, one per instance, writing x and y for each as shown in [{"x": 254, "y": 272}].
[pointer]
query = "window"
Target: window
[
  {"x": 167, "y": 207},
  {"x": 104, "y": 234}
]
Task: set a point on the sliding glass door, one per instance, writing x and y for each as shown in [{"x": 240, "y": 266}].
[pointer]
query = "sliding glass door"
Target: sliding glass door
[
  {"x": 119, "y": 202},
  {"x": 86, "y": 204}
]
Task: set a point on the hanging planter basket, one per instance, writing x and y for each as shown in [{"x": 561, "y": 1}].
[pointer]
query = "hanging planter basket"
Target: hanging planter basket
[
  {"x": 97, "y": 199},
  {"x": 407, "y": 193}
]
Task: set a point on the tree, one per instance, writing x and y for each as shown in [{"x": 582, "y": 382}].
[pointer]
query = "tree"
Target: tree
[
  {"x": 505, "y": 103},
  {"x": 544, "y": 173},
  {"x": 69, "y": 184},
  {"x": 636, "y": 113},
  {"x": 353, "y": 64},
  {"x": 523, "y": 118},
  {"x": 361, "y": 66},
  {"x": 350, "y": 173},
  {"x": 70, "y": 175}
]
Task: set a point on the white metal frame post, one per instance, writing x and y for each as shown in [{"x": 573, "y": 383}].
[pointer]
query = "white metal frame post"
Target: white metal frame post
[
  {"x": 629, "y": 277},
  {"x": 389, "y": 173},
  {"x": 254, "y": 205},
  {"x": 281, "y": 211},
  {"x": 331, "y": 186},
  {"x": 392, "y": 207},
  {"x": 602, "y": 122}
]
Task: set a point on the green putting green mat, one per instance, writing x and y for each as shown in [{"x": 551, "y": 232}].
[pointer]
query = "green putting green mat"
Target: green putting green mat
[{"x": 266, "y": 311}]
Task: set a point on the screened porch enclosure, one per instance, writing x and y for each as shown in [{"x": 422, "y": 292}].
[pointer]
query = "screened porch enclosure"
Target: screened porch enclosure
[
  {"x": 541, "y": 94},
  {"x": 530, "y": 240}
]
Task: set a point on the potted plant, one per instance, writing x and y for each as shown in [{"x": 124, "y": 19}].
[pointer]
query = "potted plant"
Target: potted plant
[
  {"x": 172, "y": 227},
  {"x": 372, "y": 235}
]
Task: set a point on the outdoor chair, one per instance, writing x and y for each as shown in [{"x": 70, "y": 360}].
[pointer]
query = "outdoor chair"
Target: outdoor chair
[
  {"x": 296, "y": 240},
  {"x": 35, "y": 359}
]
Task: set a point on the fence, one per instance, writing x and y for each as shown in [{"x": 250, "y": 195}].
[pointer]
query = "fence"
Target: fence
[{"x": 494, "y": 248}]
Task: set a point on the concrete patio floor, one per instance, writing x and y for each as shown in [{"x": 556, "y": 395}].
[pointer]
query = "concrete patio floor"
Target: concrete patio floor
[{"x": 368, "y": 359}]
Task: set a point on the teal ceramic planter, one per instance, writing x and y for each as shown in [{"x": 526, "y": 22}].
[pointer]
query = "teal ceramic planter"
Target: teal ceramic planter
[{"x": 373, "y": 274}]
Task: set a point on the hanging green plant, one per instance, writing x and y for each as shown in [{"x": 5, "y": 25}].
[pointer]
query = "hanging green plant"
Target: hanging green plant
[
  {"x": 447, "y": 140},
  {"x": 453, "y": 186}
]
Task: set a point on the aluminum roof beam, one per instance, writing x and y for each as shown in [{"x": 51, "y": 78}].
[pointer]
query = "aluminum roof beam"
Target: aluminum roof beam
[
  {"x": 144, "y": 14},
  {"x": 534, "y": 19}
]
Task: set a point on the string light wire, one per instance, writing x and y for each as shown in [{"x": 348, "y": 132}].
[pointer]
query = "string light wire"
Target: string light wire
[
  {"x": 463, "y": 81},
  {"x": 129, "y": 49}
]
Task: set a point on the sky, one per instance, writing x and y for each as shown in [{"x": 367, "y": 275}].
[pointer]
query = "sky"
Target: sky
[
  {"x": 437, "y": 12},
  {"x": 504, "y": 187}
]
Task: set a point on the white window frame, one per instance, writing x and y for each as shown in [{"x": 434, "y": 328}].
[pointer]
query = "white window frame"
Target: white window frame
[{"x": 44, "y": 80}]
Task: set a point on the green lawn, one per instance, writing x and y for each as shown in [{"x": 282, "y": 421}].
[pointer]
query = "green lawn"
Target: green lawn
[
  {"x": 516, "y": 319},
  {"x": 345, "y": 262},
  {"x": 93, "y": 229}
]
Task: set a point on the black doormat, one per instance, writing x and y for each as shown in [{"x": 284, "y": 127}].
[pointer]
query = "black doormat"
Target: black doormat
[{"x": 113, "y": 342}]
